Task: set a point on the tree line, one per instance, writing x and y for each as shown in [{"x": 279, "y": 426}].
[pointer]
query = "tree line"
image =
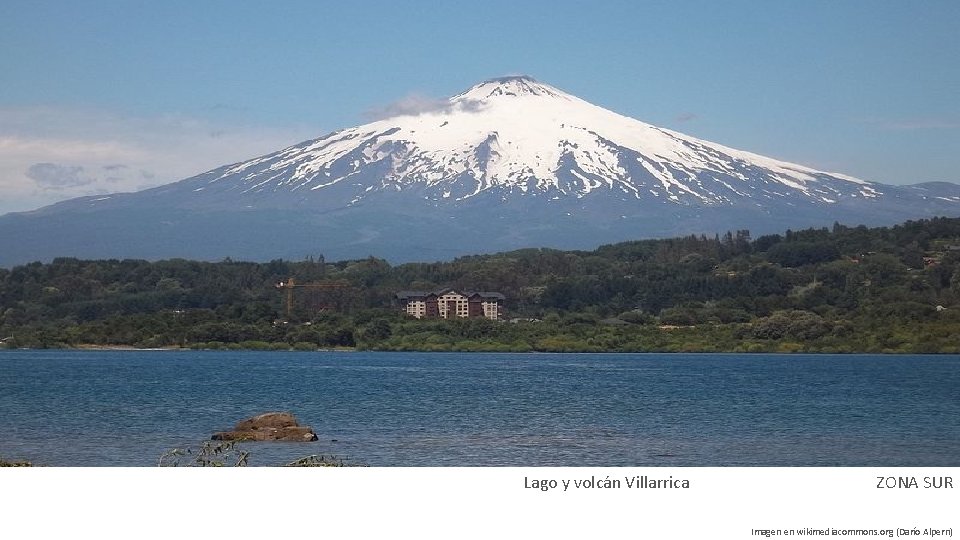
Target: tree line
[{"x": 839, "y": 289}]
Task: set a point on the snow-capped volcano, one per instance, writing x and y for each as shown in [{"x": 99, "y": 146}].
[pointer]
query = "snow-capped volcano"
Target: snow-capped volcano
[
  {"x": 509, "y": 163},
  {"x": 516, "y": 135}
]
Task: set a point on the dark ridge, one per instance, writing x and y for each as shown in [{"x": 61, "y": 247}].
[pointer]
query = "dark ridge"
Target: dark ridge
[{"x": 511, "y": 78}]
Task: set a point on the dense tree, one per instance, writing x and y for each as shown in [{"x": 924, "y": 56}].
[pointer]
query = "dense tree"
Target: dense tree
[{"x": 838, "y": 289}]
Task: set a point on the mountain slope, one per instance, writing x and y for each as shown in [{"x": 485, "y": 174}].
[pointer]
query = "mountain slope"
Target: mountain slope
[{"x": 509, "y": 163}]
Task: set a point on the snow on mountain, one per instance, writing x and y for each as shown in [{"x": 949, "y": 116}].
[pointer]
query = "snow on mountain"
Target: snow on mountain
[
  {"x": 509, "y": 163},
  {"x": 517, "y": 135}
]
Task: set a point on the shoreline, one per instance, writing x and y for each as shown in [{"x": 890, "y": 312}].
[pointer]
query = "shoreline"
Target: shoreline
[{"x": 129, "y": 348}]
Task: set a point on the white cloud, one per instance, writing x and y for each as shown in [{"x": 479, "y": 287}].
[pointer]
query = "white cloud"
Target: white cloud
[
  {"x": 58, "y": 177},
  {"x": 417, "y": 104},
  {"x": 51, "y": 154}
]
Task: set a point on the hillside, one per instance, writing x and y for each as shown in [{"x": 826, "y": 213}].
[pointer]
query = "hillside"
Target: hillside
[{"x": 843, "y": 289}]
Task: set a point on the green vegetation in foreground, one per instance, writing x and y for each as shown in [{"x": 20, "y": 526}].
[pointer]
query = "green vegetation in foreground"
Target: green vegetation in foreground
[{"x": 845, "y": 289}]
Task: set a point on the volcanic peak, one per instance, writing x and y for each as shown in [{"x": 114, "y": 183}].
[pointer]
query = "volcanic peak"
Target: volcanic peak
[{"x": 512, "y": 86}]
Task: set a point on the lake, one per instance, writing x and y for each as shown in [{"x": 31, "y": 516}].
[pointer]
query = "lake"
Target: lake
[{"x": 126, "y": 408}]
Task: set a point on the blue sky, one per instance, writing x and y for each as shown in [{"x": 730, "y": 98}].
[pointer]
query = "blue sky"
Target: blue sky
[{"x": 105, "y": 96}]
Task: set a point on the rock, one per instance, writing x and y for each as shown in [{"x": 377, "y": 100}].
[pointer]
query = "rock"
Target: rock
[
  {"x": 267, "y": 420},
  {"x": 271, "y": 426}
]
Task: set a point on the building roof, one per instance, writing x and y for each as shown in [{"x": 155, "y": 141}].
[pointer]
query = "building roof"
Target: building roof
[
  {"x": 487, "y": 294},
  {"x": 408, "y": 295}
]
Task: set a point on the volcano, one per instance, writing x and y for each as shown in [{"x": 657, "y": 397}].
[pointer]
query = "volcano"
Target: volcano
[{"x": 510, "y": 163}]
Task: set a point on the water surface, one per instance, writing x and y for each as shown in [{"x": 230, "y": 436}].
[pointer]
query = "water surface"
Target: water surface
[{"x": 105, "y": 408}]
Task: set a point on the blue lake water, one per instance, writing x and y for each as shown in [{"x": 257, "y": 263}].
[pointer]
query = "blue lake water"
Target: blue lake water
[{"x": 110, "y": 408}]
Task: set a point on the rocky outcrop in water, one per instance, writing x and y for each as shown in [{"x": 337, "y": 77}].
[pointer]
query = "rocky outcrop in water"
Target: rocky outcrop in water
[{"x": 271, "y": 426}]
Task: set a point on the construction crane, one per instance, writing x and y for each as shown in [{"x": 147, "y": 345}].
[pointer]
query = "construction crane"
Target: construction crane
[{"x": 291, "y": 284}]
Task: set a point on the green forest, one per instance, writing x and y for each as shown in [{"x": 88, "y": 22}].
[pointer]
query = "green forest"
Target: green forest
[{"x": 839, "y": 290}]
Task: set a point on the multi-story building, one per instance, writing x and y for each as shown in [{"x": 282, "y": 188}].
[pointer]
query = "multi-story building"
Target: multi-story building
[{"x": 451, "y": 304}]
